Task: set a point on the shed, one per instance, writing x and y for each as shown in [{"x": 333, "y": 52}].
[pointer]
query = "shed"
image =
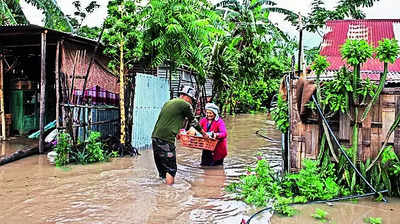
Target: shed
[
  {"x": 304, "y": 137},
  {"x": 31, "y": 61}
]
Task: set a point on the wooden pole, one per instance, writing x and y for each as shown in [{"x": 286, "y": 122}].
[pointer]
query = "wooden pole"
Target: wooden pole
[
  {"x": 122, "y": 92},
  {"x": 171, "y": 91},
  {"x": 88, "y": 71},
  {"x": 89, "y": 127},
  {"x": 71, "y": 91},
  {"x": 42, "y": 90},
  {"x": 300, "y": 45},
  {"x": 3, "y": 116},
  {"x": 57, "y": 85}
]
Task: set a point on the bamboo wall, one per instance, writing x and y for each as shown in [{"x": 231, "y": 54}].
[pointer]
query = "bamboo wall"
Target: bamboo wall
[{"x": 305, "y": 137}]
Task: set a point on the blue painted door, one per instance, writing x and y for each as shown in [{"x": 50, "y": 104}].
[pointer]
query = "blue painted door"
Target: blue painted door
[{"x": 150, "y": 95}]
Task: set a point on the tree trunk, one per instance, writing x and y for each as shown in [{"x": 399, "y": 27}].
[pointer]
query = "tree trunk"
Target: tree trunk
[{"x": 122, "y": 92}]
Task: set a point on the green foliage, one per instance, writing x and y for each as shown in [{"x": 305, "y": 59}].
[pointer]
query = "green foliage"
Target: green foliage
[
  {"x": 320, "y": 64},
  {"x": 320, "y": 215},
  {"x": 6, "y": 13},
  {"x": 389, "y": 155},
  {"x": 178, "y": 32},
  {"x": 63, "y": 149},
  {"x": 252, "y": 53},
  {"x": 313, "y": 182},
  {"x": 320, "y": 13},
  {"x": 250, "y": 17},
  {"x": 121, "y": 37},
  {"x": 373, "y": 220},
  {"x": 335, "y": 93},
  {"x": 54, "y": 18},
  {"x": 311, "y": 54},
  {"x": 89, "y": 32},
  {"x": 80, "y": 14},
  {"x": 94, "y": 148},
  {"x": 356, "y": 52},
  {"x": 246, "y": 97},
  {"x": 367, "y": 88},
  {"x": 280, "y": 114},
  {"x": 91, "y": 151},
  {"x": 261, "y": 186},
  {"x": 388, "y": 50}
]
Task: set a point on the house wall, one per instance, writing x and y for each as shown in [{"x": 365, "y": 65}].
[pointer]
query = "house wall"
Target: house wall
[{"x": 305, "y": 136}]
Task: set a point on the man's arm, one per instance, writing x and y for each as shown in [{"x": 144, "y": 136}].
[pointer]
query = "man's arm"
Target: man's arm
[{"x": 194, "y": 122}]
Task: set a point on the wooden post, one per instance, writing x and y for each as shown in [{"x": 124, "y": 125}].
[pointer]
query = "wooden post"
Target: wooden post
[
  {"x": 89, "y": 127},
  {"x": 171, "y": 91},
  {"x": 57, "y": 85},
  {"x": 3, "y": 118},
  {"x": 300, "y": 44},
  {"x": 42, "y": 90},
  {"x": 122, "y": 93}
]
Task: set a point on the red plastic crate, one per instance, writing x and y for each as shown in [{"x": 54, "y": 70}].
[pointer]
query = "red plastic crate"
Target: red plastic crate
[{"x": 198, "y": 142}]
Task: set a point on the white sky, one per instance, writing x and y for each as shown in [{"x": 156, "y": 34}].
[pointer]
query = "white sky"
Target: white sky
[{"x": 384, "y": 9}]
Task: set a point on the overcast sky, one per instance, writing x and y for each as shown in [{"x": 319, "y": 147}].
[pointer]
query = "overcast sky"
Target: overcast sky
[{"x": 384, "y": 9}]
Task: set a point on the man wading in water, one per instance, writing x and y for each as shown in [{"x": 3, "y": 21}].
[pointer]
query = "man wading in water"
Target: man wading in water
[{"x": 169, "y": 122}]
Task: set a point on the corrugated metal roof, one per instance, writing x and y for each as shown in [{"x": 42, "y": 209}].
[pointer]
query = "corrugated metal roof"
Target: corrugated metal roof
[
  {"x": 372, "y": 30},
  {"x": 392, "y": 77},
  {"x": 29, "y": 29}
]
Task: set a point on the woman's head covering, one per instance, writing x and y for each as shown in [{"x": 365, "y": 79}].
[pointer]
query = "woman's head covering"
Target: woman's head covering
[{"x": 214, "y": 108}]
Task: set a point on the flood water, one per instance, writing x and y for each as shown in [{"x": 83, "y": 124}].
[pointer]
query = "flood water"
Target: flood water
[{"x": 128, "y": 190}]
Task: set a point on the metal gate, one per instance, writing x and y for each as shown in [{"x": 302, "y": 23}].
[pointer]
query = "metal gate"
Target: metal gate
[{"x": 150, "y": 95}]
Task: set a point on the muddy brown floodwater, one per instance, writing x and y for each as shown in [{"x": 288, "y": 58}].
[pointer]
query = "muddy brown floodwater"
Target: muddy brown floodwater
[{"x": 128, "y": 190}]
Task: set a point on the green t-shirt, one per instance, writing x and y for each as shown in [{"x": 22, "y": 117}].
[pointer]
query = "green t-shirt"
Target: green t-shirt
[{"x": 171, "y": 119}]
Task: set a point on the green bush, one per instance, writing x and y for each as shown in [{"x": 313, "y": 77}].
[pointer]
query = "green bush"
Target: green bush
[
  {"x": 63, "y": 149},
  {"x": 91, "y": 151},
  {"x": 280, "y": 114},
  {"x": 261, "y": 186},
  {"x": 94, "y": 148}
]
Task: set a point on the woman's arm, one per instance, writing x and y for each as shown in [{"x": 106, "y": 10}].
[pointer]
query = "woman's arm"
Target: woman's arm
[{"x": 222, "y": 133}]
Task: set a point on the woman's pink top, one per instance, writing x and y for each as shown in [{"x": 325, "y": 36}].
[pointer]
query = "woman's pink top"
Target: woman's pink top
[{"x": 221, "y": 150}]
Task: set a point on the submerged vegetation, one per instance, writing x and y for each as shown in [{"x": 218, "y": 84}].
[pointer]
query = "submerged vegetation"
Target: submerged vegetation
[
  {"x": 262, "y": 186},
  {"x": 91, "y": 151}
]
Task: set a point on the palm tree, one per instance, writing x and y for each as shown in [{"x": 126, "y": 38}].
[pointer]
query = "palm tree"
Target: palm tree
[
  {"x": 251, "y": 18},
  {"x": 11, "y": 13}
]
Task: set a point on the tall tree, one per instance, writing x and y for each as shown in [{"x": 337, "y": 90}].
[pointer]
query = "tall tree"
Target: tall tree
[
  {"x": 320, "y": 14},
  {"x": 178, "y": 32},
  {"x": 122, "y": 41},
  {"x": 80, "y": 14},
  {"x": 250, "y": 18}
]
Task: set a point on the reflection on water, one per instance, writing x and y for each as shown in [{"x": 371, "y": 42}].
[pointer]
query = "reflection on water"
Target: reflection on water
[
  {"x": 128, "y": 190},
  {"x": 14, "y": 144}
]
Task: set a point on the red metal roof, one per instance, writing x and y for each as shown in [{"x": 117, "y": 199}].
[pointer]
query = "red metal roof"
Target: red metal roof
[{"x": 372, "y": 30}]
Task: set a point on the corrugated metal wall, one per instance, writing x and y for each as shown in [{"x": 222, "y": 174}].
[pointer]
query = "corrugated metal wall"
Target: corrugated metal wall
[
  {"x": 108, "y": 129},
  {"x": 150, "y": 95}
]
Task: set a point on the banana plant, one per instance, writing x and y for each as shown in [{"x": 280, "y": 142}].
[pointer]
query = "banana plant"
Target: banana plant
[
  {"x": 11, "y": 13},
  {"x": 6, "y": 14},
  {"x": 250, "y": 18}
]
